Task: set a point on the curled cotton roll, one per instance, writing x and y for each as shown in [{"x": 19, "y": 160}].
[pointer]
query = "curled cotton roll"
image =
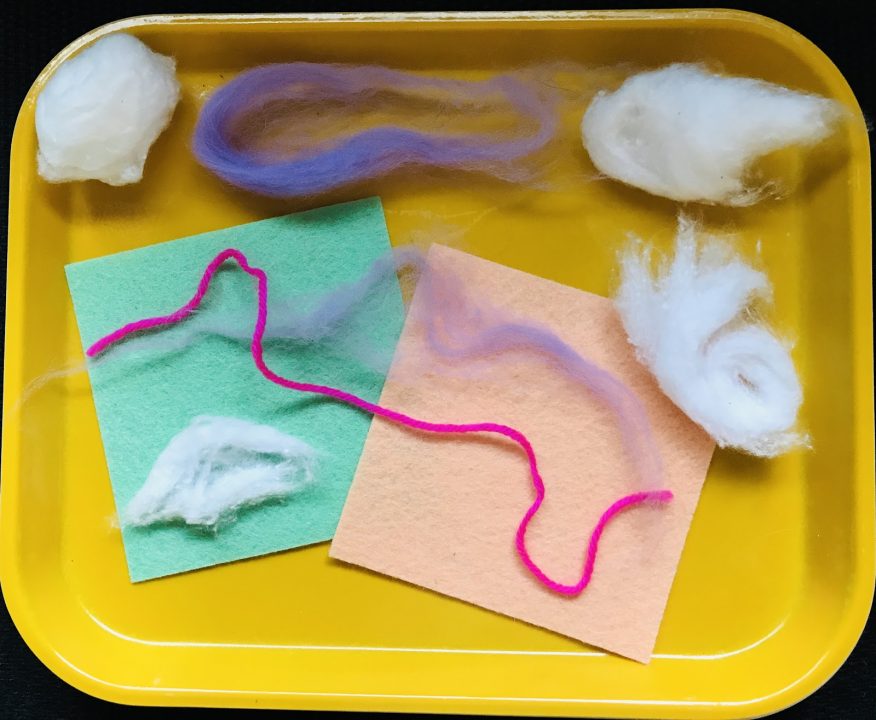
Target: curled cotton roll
[
  {"x": 686, "y": 134},
  {"x": 217, "y": 465},
  {"x": 100, "y": 112},
  {"x": 692, "y": 327}
]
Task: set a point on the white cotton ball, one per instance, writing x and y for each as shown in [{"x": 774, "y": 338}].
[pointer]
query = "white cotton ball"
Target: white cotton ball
[
  {"x": 100, "y": 112},
  {"x": 683, "y": 133},
  {"x": 691, "y": 327},
  {"x": 216, "y": 466}
]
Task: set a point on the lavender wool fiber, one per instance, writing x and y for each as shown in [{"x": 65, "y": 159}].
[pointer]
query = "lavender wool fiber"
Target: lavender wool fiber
[{"x": 268, "y": 102}]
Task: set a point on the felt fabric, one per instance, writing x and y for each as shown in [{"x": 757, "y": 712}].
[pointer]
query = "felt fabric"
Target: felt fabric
[
  {"x": 441, "y": 512},
  {"x": 144, "y": 399},
  {"x": 595, "y": 382}
]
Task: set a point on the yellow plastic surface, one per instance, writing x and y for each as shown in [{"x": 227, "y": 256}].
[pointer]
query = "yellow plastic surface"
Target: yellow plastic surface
[{"x": 777, "y": 576}]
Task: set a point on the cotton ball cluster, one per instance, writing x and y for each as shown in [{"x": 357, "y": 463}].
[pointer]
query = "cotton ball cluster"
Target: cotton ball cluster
[
  {"x": 686, "y": 134},
  {"x": 691, "y": 327},
  {"x": 100, "y": 112}
]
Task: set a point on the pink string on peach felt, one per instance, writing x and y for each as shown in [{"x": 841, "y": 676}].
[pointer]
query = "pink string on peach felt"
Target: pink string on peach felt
[{"x": 624, "y": 503}]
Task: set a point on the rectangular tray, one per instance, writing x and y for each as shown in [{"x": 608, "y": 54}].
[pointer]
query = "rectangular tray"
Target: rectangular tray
[{"x": 777, "y": 575}]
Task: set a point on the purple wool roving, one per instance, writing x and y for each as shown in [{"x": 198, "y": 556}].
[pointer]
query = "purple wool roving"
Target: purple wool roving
[{"x": 270, "y": 130}]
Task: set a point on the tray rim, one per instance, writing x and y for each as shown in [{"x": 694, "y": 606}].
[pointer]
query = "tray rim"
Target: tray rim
[{"x": 860, "y": 596}]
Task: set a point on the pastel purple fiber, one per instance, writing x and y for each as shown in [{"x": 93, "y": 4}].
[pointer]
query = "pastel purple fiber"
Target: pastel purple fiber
[{"x": 316, "y": 164}]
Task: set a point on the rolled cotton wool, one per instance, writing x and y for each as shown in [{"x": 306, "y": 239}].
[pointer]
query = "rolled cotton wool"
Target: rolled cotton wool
[
  {"x": 100, "y": 112},
  {"x": 684, "y": 133},
  {"x": 692, "y": 326}
]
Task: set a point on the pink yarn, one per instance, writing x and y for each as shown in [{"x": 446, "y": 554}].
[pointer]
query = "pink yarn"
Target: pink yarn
[{"x": 628, "y": 501}]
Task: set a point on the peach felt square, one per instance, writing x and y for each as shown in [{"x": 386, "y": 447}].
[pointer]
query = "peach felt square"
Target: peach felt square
[{"x": 441, "y": 512}]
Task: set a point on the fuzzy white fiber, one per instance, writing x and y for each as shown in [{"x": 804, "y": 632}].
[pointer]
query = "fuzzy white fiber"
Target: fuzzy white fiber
[
  {"x": 100, "y": 112},
  {"x": 216, "y": 466},
  {"x": 692, "y": 325},
  {"x": 684, "y": 133}
]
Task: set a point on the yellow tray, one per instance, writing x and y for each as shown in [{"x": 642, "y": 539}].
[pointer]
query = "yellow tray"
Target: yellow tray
[{"x": 777, "y": 576}]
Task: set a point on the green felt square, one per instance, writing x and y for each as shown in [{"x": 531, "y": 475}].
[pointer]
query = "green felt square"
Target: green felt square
[{"x": 145, "y": 397}]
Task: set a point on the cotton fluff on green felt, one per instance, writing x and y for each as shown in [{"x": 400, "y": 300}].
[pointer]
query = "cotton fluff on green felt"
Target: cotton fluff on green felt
[
  {"x": 144, "y": 398},
  {"x": 217, "y": 466}
]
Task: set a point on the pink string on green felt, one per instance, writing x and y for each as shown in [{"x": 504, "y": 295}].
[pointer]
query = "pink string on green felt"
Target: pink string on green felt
[{"x": 624, "y": 503}]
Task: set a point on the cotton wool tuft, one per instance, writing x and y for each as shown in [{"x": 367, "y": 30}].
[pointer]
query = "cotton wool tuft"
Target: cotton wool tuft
[
  {"x": 100, "y": 112},
  {"x": 692, "y": 325},
  {"x": 684, "y": 133},
  {"x": 216, "y": 466}
]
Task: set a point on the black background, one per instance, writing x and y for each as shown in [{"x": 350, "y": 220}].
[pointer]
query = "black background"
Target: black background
[{"x": 36, "y": 30}]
